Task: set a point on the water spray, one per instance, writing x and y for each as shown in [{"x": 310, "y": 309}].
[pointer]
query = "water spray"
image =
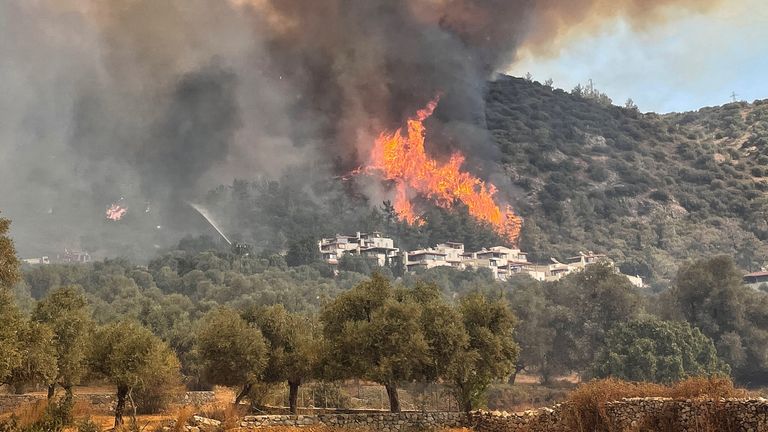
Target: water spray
[{"x": 204, "y": 213}]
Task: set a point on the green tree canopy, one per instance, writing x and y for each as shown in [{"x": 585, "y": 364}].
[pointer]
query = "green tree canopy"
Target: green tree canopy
[
  {"x": 443, "y": 330},
  {"x": 376, "y": 335},
  {"x": 37, "y": 354},
  {"x": 490, "y": 353},
  {"x": 302, "y": 251},
  {"x": 536, "y": 329},
  {"x": 233, "y": 352},
  {"x": 129, "y": 356},
  {"x": 11, "y": 322},
  {"x": 10, "y": 317},
  {"x": 657, "y": 351},
  {"x": 709, "y": 294},
  {"x": 9, "y": 263},
  {"x": 65, "y": 310},
  {"x": 294, "y": 346},
  {"x": 587, "y": 305}
]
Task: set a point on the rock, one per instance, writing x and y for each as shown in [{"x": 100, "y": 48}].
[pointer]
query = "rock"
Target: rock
[{"x": 204, "y": 423}]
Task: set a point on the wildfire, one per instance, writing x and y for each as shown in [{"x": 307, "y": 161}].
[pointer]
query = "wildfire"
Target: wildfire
[
  {"x": 402, "y": 158},
  {"x": 115, "y": 212}
]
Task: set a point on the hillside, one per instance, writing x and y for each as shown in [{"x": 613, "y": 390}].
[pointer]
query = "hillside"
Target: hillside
[{"x": 648, "y": 189}]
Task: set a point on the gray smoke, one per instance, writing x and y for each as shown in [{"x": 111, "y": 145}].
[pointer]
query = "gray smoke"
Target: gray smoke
[{"x": 152, "y": 102}]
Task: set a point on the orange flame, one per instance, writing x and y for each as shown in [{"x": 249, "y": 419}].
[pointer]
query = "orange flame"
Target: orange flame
[
  {"x": 402, "y": 159},
  {"x": 115, "y": 212}
]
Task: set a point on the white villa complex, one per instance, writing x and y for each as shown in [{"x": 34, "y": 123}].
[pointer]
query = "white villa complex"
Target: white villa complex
[
  {"x": 374, "y": 245},
  {"x": 503, "y": 262}
]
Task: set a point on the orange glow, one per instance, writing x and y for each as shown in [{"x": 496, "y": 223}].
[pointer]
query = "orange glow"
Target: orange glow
[
  {"x": 115, "y": 212},
  {"x": 401, "y": 157}
]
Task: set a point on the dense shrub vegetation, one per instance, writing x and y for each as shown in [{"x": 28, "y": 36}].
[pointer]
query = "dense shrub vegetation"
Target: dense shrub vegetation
[{"x": 649, "y": 190}]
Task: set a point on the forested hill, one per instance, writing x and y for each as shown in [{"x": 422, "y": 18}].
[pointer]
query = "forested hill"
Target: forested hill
[{"x": 648, "y": 189}]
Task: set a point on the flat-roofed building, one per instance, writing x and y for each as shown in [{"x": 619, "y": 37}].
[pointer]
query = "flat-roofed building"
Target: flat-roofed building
[
  {"x": 72, "y": 256},
  {"x": 374, "y": 245},
  {"x": 425, "y": 259},
  {"x": 584, "y": 259},
  {"x": 36, "y": 261},
  {"x": 755, "y": 279},
  {"x": 502, "y": 261}
]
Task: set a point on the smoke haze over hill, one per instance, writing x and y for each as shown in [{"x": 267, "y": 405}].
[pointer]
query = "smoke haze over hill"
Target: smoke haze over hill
[{"x": 152, "y": 102}]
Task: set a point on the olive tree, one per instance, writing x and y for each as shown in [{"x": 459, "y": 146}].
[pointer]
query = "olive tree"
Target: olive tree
[
  {"x": 709, "y": 294},
  {"x": 11, "y": 322},
  {"x": 657, "y": 351},
  {"x": 373, "y": 334},
  {"x": 490, "y": 352},
  {"x": 234, "y": 353},
  {"x": 9, "y": 262},
  {"x": 129, "y": 356},
  {"x": 10, "y": 317},
  {"x": 443, "y": 331},
  {"x": 37, "y": 356},
  {"x": 294, "y": 347},
  {"x": 65, "y": 310}
]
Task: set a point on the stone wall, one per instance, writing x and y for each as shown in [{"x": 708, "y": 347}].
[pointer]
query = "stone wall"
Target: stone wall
[
  {"x": 98, "y": 402},
  {"x": 639, "y": 414},
  {"x": 197, "y": 398},
  {"x": 540, "y": 420},
  {"x": 9, "y": 403},
  {"x": 385, "y": 422},
  {"x": 689, "y": 415},
  {"x": 628, "y": 415}
]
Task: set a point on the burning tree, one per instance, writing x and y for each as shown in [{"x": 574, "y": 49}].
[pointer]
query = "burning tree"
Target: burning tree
[{"x": 401, "y": 157}]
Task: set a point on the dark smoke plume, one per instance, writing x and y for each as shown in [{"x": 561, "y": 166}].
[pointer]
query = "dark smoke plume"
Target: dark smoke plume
[{"x": 155, "y": 101}]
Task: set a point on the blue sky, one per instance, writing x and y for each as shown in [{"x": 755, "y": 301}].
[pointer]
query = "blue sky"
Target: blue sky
[{"x": 681, "y": 65}]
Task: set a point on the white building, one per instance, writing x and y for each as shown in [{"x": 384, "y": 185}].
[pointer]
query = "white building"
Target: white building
[
  {"x": 424, "y": 259},
  {"x": 577, "y": 263},
  {"x": 72, "y": 256},
  {"x": 447, "y": 254},
  {"x": 502, "y": 261},
  {"x": 373, "y": 245},
  {"x": 36, "y": 261},
  {"x": 584, "y": 259}
]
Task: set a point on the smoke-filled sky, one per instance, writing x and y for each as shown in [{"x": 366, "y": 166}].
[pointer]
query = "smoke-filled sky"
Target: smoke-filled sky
[
  {"x": 150, "y": 103},
  {"x": 686, "y": 63}
]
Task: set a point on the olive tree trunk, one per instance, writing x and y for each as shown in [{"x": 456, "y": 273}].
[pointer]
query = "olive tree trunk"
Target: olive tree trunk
[
  {"x": 394, "y": 400},
  {"x": 243, "y": 393},
  {"x": 293, "y": 395},
  {"x": 518, "y": 368},
  {"x": 122, "y": 392}
]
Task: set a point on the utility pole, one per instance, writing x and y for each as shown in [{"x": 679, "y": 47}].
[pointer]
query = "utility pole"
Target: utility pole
[{"x": 733, "y": 96}]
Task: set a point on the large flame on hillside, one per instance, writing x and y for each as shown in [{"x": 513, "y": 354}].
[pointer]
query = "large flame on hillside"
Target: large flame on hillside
[{"x": 400, "y": 157}]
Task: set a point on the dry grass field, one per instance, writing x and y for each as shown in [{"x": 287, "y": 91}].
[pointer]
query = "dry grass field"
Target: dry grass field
[
  {"x": 586, "y": 401},
  {"x": 221, "y": 409}
]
